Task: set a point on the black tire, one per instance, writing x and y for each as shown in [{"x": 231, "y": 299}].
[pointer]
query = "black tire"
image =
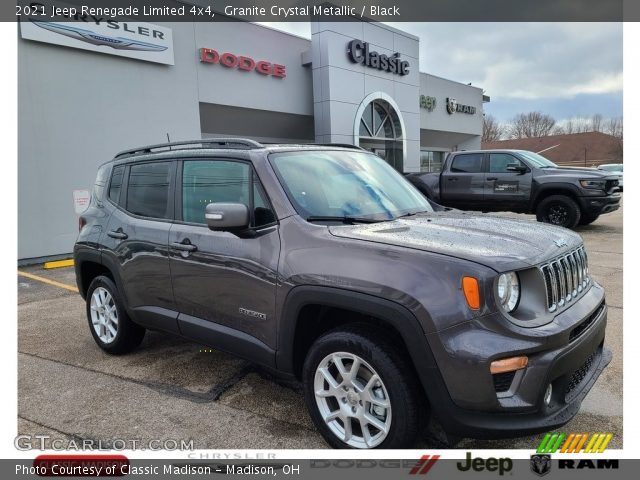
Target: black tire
[
  {"x": 128, "y": 334},
  {"x": 588, "y": 219},
  {"x": 559, "y": 210},
  {"x": 408, "y": 407}
]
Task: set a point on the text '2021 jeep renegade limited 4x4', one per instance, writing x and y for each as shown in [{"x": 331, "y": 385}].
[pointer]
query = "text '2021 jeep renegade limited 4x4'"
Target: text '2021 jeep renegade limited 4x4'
[{"x": 324, "y": 263}]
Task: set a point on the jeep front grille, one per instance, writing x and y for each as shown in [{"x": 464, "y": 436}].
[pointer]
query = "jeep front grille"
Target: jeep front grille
[{"x": 565, "y": 277}]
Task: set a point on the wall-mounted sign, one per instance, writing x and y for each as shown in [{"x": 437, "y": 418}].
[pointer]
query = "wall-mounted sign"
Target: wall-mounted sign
[
  {"x": 240, "y": 62},
  {"x": 428, "y": 103},
  {"x": 142, "y": 41},
  {"x": 81, "y": 200},
  {"x": 454, "y": 107},
  {"x": 359, "y": 52}
]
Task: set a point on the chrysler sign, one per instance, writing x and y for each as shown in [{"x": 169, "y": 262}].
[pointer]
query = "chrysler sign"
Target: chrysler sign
[
  {"x": 360, "y": 52},
  {"x": 142, "y": 41}
]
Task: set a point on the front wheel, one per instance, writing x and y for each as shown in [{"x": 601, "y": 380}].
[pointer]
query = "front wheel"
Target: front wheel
[
  {"x": 559, "y": 210},
  {"x": 360, "y": 391}
]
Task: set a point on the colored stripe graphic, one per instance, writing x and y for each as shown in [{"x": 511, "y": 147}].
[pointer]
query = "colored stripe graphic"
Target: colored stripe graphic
[
  {"x": 424, "y": 464},
  {"x": 574, "y": 442}
]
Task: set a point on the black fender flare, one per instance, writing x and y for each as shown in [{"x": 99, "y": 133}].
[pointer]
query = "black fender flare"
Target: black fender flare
[
  {"x": 395, "y": 315},
  {"x": 542, "y": 189}
]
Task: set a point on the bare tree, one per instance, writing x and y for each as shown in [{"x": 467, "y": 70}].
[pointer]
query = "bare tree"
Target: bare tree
[
  {"x": 596, "y": 123},
  {"x": 532, "y": 124},
  {"x": 613, "y": 126},
  {"x": 492, "y": 130}
]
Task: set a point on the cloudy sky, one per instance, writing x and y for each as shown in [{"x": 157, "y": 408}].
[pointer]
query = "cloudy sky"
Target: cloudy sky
[{"x": 563, "y": 69}]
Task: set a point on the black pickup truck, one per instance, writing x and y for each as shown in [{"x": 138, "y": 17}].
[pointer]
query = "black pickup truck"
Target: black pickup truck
[{"x": 523, "y": 182}]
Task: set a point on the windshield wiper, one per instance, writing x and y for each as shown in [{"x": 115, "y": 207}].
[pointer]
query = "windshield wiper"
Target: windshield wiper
[{"x": 343, "y": 219}]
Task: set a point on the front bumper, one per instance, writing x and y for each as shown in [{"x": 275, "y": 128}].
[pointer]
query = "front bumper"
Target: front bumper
[
  {"x": 600, "y": 205},
  {"x": 571, "y": 363}
]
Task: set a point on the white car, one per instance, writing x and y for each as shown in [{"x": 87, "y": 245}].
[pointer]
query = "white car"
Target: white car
[{"x": 615, "y": 168}]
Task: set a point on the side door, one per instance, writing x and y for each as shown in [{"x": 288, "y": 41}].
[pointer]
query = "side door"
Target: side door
[
  {"x": 136, "y": 241},
  {"x": 506, "y": 188},
  {"x": 225, "y": 285},
  {"x": 462, "y": 182}
]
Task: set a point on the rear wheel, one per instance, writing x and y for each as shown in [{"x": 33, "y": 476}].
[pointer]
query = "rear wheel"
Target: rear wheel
[
  {"x": 110, "y": 326},
  {"x": 559, "y": 210},
  {"x": 360, "y": 390}
]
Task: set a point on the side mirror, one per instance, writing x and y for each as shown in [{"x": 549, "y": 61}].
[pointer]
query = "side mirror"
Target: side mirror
[
  {"x": 516, "y": 167},
  {"x": 227, "y": 216}
]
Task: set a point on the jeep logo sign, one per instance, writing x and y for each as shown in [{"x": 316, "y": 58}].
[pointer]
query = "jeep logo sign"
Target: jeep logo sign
[
  {"x": 240, "y": 62},
  {"x": 359, "y": 52}
]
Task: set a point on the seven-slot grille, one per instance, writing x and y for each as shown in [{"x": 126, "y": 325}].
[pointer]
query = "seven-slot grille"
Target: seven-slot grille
[{"x": 565, "y": 277}]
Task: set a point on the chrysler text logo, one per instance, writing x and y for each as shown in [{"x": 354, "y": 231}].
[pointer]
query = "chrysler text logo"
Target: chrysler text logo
[{"x": 89, "y": 36}]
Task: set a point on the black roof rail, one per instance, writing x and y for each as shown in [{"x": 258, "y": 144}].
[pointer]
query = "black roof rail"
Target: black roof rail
[
  {"x": 242, "y": 143},
  {"x": 342, "y": 145}
]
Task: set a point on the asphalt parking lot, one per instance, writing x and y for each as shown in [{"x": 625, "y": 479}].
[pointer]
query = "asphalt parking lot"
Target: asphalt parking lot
[{"x": 173, "y": 389}]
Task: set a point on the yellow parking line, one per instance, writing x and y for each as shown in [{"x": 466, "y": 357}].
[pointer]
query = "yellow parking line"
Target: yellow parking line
[
  {"x": 47, "y": 281},
  {"x": 58, "y": 264}
]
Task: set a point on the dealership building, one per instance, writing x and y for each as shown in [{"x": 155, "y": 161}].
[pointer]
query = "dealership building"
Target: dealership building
[{"x": 88, "y": 89}]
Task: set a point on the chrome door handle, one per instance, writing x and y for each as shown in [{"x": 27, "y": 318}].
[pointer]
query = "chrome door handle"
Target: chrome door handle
[{"x": 184, "y": 247}]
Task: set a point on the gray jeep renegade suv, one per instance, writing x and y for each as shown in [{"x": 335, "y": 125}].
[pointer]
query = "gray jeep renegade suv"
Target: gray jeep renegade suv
[{"x": 324, "y": 264}]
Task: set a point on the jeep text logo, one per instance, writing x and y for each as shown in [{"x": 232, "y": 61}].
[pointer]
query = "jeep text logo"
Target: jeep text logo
[
  {"x": 247, "y": 64},
  {"x": 491, "y": 464}
]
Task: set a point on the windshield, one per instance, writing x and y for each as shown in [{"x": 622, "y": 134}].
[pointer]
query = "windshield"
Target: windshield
[
  {"x": 537, "y": 160},
  {"x": 611, "y": 168},
  {"x": 346, "y": 184}
]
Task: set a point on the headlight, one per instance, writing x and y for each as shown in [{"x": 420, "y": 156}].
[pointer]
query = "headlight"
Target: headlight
[
  {"x": 597, "y": 184},
  {"x": 508, "y": 291}
]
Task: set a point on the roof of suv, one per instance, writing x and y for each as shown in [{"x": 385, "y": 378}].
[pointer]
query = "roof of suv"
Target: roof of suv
[{"x": 217, "y": 144}]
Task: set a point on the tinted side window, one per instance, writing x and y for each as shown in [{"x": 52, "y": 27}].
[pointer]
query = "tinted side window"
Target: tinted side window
[
  {"x": 498, "y": 162},
  {"x": 467, "y": 163},
  {"x": 212, "y": 181},
  {"x": 116, "y": 184},
  {"x": 148, "y": 190}
]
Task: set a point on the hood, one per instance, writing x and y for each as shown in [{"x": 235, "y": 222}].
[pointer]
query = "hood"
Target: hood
[
  {"x": 582, "y": 172},
  {"x": 499, "y": 243}
]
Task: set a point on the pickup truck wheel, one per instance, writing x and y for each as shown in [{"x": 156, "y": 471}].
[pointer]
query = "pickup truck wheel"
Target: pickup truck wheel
[
  {"x": 588, "y": 218},
  {"x": 360, "y": 392},
  {"x": 111, "y": 327},
  {"x": 559, "y": 210}
]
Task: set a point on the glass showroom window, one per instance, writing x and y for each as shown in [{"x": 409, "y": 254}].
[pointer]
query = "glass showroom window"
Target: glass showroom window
[
  {"x": 381, "y": 133},
  {"x": 431, "y": 161}
]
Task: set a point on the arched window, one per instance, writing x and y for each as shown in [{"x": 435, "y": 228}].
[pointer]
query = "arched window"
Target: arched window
[
  {"x": 379, "y": 120},
  {"x": 380, "y": 131}
]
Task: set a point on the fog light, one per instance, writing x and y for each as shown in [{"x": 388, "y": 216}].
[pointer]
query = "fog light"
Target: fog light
[{"x": 547, "y": 395}]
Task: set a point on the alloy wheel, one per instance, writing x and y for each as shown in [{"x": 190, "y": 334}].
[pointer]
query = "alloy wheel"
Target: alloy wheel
[
  {"x": 104, "y": 315},
  {"x": 352, "y": 400}
]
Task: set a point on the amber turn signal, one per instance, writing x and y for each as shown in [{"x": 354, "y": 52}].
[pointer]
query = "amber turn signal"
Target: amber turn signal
[
  {"x": 509, "y": 364},
  {"x": 471, "y": 291}
]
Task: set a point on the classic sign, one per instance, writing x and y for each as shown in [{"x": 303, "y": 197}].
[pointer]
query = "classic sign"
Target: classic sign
[{"x": 359, "y": 52}]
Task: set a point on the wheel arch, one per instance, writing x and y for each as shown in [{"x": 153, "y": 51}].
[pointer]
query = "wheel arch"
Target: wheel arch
[
  {"x": 374, "y": 310},
  {"x": 545, "y": 191}
]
